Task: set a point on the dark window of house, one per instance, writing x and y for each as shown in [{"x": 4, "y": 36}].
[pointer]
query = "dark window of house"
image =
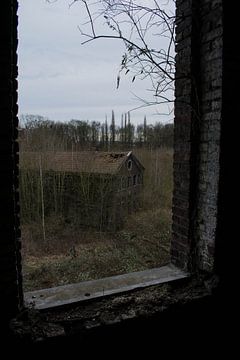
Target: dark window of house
[
  {"x": 129, "y": 164},
  {"x": 134, "y": 179},
  {"x": 129, "y": 181}
]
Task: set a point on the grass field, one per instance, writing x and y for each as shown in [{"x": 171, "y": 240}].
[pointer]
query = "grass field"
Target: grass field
[{"x": 69, "y": 254}]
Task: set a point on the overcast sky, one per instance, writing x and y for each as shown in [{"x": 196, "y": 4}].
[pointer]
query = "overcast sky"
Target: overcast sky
[{"x": 61, "y": 79}]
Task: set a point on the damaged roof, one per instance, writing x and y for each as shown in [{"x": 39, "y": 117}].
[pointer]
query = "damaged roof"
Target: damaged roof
[{"x": 98, "y": 162}]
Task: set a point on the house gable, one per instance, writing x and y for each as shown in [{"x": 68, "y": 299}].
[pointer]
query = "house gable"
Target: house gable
[{"x": 131, "y": 166}]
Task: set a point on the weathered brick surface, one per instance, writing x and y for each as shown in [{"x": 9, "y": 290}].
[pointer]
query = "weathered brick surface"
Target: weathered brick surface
[
  {"x": 211, "y": 47},
  {"x": 197, "y": 132},
  {"x": 180, "y": 248},
  {"x": 10, "y": 258}
]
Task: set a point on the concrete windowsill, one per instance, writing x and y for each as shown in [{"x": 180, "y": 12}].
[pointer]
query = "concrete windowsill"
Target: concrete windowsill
[{"x": 73, "y": 293}]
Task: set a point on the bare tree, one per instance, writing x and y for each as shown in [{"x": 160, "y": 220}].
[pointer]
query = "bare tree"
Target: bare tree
[
  {"x": 146, "y": 28},
  {"x": 113, "y": 129}
]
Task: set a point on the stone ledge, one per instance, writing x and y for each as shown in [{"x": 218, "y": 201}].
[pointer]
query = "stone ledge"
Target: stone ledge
[
  {"x": 73, "y": 293},
  {"x": 112, "y": 313}
]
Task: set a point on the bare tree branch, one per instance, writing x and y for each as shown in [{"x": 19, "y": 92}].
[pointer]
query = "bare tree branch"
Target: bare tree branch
[{"x": 146, "y": 29}]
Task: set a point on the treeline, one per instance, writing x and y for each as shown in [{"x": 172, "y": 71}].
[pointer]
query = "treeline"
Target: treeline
[{"x": 39, "y": 133}]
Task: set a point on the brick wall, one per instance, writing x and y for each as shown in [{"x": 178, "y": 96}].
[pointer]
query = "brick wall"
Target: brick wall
[
  {"x": 197, "y": 132},
  {"x": 211, "y": 112},
  {"x": 10, "y": 258},
  {"x": 182, "y": 135}
]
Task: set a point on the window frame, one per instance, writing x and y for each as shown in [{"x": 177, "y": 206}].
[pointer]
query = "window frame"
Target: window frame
[{"x": 190, "y": 259}]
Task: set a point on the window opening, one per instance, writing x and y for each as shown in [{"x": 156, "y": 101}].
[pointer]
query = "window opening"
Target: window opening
[
  {"x": 134, "y": 179},
  {"x": 79, "y": 222},
  {"x": 129, "y": 165}
]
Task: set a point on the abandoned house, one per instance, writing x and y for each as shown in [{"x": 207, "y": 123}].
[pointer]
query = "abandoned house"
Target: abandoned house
[
  {"x": 194, "y": 313},
  {"x": 92, "y": 188}
]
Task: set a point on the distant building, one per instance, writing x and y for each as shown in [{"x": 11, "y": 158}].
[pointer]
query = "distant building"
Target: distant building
[{"x": 92, "y": 188}]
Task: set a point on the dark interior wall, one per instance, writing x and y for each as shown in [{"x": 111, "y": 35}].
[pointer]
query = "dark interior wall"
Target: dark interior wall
[
  {"x": 226, "y": 257},
  {"x": 10, "y": 258}
]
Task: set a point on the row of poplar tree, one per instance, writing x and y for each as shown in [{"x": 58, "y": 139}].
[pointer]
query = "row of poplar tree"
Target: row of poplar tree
[{"x": 39, "y": 133}]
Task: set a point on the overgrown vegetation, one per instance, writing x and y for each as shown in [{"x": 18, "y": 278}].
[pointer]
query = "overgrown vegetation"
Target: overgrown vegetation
[
  {"x": 60, "y": 251},
  {"x": 38, "y": 133}
]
